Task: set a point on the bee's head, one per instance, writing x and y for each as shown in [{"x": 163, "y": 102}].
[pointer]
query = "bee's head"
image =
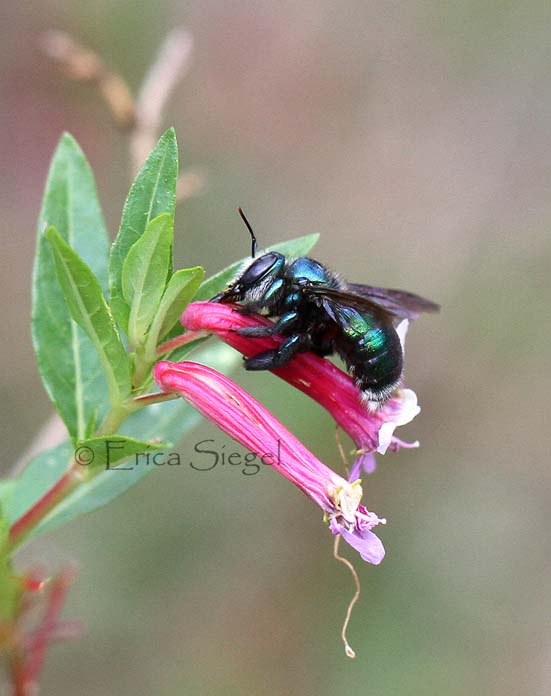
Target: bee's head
[{"x": 253, "y": 282}]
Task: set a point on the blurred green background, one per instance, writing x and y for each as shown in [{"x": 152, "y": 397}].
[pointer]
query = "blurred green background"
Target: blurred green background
[{"x": 415, "y": 137}]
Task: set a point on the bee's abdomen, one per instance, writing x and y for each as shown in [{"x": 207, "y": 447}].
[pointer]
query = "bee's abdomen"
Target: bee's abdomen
[{"x": 374, "y": 359}]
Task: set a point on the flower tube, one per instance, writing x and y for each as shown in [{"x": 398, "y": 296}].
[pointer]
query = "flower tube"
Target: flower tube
[
  {"x": 244, "y": 419},
  {"x": 371, "y": 431}
]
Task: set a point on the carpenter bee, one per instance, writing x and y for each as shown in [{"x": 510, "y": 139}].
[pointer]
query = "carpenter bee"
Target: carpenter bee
[{"x": 315, "y": 310}]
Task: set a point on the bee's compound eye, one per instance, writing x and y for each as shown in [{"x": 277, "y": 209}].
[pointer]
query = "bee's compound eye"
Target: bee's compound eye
[{"x": 259, "y": 268}]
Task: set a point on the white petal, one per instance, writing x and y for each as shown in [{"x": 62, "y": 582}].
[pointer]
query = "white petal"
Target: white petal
[
  {"x": 402, "y": 330},
  {"x": 385, "y": 436},
  {"x": 406, "y": 407}
]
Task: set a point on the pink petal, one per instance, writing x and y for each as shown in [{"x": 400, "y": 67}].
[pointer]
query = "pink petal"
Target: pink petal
[{"x": 368, "y": 544}]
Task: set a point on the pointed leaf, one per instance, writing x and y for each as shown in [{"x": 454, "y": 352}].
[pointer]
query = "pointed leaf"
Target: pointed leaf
[
  {"x": 88, "y": 307},
  {"x": 107, "y": 451},
  {"x": 180, "y": 290},
  {"x": 152, "y": 193},
  {"x": 144, "y": 274},
  {"x": 216, "y": 283},
  {"x": 67, "y": 360}
]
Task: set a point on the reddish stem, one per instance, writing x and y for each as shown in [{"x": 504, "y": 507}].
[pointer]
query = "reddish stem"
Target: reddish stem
[
  {"x": 42, "y": 507},
  {"x": 19, "y": 683},
  {"x": 182, "y": 340},
  {"x": 56, "y": 599},
  {"x": 28, "y": 653},
  {"x": 155, "y": 398}
]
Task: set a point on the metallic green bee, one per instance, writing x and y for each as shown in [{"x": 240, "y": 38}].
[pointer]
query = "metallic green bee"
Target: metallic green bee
[{"x": 317, "y": 311}]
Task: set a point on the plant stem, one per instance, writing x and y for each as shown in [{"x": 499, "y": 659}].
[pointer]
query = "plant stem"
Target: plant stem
[
  {"x": 25, "y": 524},
  {"x": 182, "y": 340},
  {"x": 44, "y": 632},
  {"x": 115, "y": 418},
  {"x": 156, "y": 398},
  {"x": 17, "y": 673},
  {"x": 142, "y": 366}
]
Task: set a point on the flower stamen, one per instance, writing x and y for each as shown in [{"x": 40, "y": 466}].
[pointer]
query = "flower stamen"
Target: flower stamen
[{"x": 347, "y": 649}]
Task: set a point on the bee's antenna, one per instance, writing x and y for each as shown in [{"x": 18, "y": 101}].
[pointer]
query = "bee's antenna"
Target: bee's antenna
[{"x": 248, "y": 224}]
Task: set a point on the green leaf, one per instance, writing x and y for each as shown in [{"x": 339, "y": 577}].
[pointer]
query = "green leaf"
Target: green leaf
[
  {"x": 152, "y": 193},
  {"x": 89, "y": 309},
  {"x": 180, "y": 289},
  {"x": 216, "y": 283},
  {"x": 169, "y": 421},
  {"x": 144, "y": 274},
  {"x": 107, "y": 451},
  {"x": 69, "y": 365},
  {"x": 179, "y": 292}
]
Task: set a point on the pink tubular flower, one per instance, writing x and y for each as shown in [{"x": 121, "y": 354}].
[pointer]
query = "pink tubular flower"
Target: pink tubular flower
[
  {"x": 239, "y": 415},
  {"x": 371, "y": 431}
]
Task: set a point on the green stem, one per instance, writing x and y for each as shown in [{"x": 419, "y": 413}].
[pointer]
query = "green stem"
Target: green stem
[
  {"x": 115, "y": 418},
  {"x": 142, "y": 369}
]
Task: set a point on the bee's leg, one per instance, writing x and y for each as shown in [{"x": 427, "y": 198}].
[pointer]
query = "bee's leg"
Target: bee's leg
[
  {"x": 270, "y": 359},
  {"x": 282, "y": 326},
  {"x": 256, "y": 331},
  {"x": 243, "y": 309},
  {"x": 262, "y": 361}
]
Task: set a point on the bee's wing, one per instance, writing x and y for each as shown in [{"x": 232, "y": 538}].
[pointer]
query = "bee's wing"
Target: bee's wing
[
  {"x": 380, "y": 301},
  {"x": 399, "y": 302},
  {"x": 332, "y": 298},
  {"x": 345, "y": 313}
]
